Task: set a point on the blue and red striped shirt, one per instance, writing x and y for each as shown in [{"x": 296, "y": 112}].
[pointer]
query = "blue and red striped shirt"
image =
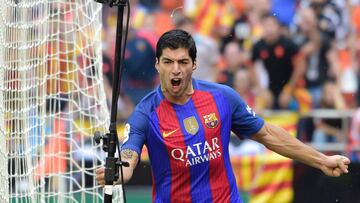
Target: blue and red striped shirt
[{"x": 188, "y": 144}]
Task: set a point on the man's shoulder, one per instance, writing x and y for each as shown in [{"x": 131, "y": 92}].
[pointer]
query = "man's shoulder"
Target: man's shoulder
[
  {"x": 215, "y": 89},
  {"x": 287, "y": 41},
  {"x": 149, "y": 102},
  {"x": 260, "y": 43},
  {"x": 207, "y": 86}
]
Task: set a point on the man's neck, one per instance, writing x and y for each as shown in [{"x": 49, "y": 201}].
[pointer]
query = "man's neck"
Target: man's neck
[
  {"x": 183, "y": 99},
  {"x": 272, "y": 41}
]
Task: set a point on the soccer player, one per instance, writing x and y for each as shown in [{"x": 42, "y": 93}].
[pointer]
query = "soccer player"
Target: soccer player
[{"x": 185, "y": 124}]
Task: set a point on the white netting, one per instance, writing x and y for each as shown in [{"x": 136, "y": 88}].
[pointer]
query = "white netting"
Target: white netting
[{"x": 51, "y": 100}]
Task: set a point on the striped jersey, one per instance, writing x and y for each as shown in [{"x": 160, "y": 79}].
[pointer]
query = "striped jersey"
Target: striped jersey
[{"x": 188, "y": 144}]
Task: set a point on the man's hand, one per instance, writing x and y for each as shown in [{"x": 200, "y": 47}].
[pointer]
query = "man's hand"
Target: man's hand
[
  {"x": 100, "y": 176},
  {"x": 285, "y": 99},
  {"x": 127, "y": 155},
  {"x": 335, "y": 165}
]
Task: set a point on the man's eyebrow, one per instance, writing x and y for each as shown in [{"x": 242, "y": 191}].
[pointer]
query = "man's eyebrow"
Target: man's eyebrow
[
  {"x": 167, "y": 59},
  {"x": 185, "y": 59}
]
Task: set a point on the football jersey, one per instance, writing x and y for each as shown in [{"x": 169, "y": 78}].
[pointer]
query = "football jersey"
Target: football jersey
[{"x": 188, "y": 144}]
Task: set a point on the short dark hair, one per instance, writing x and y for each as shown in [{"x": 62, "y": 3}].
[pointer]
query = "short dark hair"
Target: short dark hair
[
  {"x": 270, "y": 16},
  {"x": 175, "y": 39}
]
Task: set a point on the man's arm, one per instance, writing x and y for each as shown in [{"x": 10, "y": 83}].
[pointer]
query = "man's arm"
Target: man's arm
[
  {"x": 132, "y": 143},
  {"x": 334, "y": 66},
  {"x": 281, "y": 142},
  {"x": 126, "y": 155},
  {"x": 299, "y": 69}
]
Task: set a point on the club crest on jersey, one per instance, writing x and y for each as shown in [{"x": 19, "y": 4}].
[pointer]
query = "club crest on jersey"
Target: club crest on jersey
[
  {"x": 211, "y": 120},
  {"x": 191, "y": 125}
]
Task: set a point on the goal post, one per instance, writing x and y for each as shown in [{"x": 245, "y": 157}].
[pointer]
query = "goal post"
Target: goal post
[{"x": 52, "y": 100}]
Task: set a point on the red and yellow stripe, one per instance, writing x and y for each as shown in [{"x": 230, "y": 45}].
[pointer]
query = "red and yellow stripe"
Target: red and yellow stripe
[
  {"x": 268, "y": 176},
  {"x": 210, "y": 14}
]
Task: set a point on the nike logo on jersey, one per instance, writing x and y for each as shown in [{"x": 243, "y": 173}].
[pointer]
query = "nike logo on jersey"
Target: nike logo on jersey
[{"x": 166, "y": 134}]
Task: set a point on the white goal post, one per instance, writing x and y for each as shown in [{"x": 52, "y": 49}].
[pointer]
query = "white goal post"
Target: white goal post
[{"x": 52, "y": 100}]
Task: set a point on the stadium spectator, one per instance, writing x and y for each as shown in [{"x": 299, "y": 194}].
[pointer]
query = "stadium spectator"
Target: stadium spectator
[
  {"x": 247, "y": 25},
  {"x": 186, "y": 123},
  {"x": 140, "y": 76},
  {"x": 257, "y": 99},
  {"x": 332, "y": 15},
  {"x": 282, "y": 60},
  {"x": 329, "y": 129},
  {"x": 125, "y": 105},
  {"x": 355, "y": 44},
  {"x": 208, "y": 54},
  {"x": 234, "y": 58},
  {"x": 320, "y": 54},
  {"x": 147, "y": 31}
]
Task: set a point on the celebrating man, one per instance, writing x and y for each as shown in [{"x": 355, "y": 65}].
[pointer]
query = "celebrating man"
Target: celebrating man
[{"x": 185, "y": 124}]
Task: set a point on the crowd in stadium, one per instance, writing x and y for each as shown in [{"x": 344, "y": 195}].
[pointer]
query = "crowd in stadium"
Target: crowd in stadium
[{"x": 296, "y": 55}]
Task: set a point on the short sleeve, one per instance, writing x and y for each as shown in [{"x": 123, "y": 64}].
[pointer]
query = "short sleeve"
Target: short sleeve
[
  {"x": 245, "y": 122},
  {"x": 293, "y": 49},
  {"x": 255, "y": 52},
  {"x": 135, "y": 131}
]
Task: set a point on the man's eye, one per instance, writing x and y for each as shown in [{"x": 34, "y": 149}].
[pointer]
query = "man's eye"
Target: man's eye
[
  {"x": 167, "y": 62},
  {"x": 184, "y": 62}
]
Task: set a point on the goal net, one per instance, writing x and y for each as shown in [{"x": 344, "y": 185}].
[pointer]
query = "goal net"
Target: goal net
[{"x": 52, "y": 100}]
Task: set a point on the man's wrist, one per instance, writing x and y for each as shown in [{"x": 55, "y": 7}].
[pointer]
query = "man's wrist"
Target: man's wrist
[
  {"x": 288, "y": 89},
  {"x": 321, "y": 161}
]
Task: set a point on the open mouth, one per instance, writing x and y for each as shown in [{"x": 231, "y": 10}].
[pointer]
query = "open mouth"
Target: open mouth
[{"x": 175, "y": 82}]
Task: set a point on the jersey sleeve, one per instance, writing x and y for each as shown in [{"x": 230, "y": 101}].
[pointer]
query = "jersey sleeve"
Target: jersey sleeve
[
  {"x": 245, "y": 122},
  {"x": 255, "y": 52},
  {"x": 135, "y": 131}
]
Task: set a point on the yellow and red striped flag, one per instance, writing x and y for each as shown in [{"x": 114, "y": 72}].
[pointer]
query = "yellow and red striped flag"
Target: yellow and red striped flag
[{"x": 267, "y": 176}]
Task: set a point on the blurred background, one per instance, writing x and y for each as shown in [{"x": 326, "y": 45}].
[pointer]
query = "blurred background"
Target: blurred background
[{"x": 295, "y": 62}]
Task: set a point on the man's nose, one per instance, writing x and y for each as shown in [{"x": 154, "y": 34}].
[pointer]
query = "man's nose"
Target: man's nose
[{"x": 176, "y": 69}]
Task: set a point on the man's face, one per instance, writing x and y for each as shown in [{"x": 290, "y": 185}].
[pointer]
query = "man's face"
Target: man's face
[
  {"x": 271, "y": 29},
  {"x": 175, "y": 69},
  {"x": 308, "y": 21},
  {"x": 318, "y": 6},
  {"x": 242, "y": 82},
  {"x": 233, "y": 56}
]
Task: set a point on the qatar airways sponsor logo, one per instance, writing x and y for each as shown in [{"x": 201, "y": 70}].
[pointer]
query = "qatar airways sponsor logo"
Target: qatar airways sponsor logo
[{"x": 198, "y": 152}]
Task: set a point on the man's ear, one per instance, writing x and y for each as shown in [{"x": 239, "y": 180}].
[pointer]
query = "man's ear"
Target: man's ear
[
  {"x": 157, "y": 64},
  {"x": 194, "y": 65}
]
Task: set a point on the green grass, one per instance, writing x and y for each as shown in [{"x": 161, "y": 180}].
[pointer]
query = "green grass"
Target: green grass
[{"x": 133, "y": 195}]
